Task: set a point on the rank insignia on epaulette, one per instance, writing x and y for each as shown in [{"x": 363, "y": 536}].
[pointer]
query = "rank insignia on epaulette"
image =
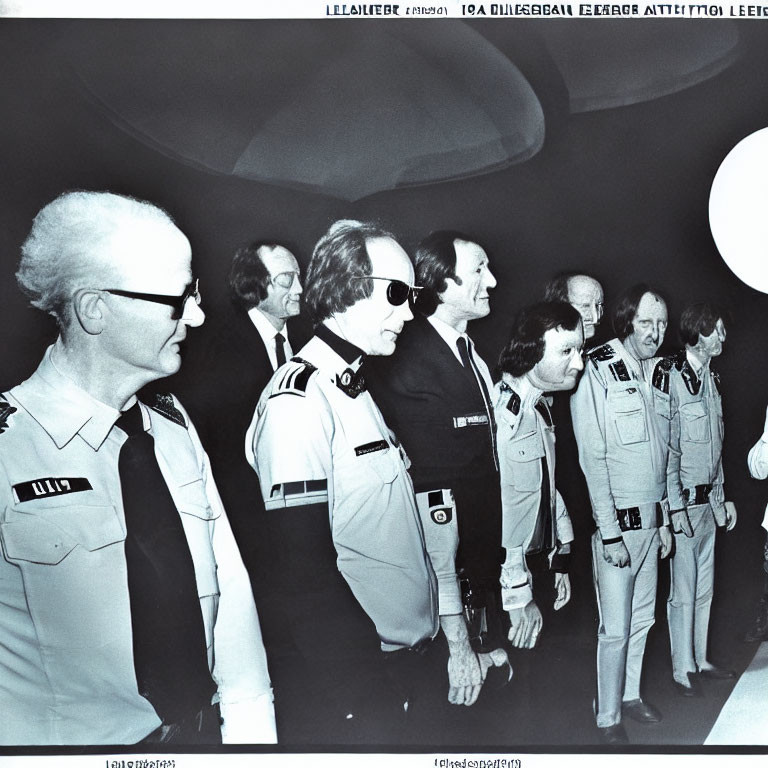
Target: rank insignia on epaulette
[
  {"x": 295, "y": 378},
  {"x": 619, "y": 371},
  {"x": 602, "y": 353},
  {"x": 6, "y": 409},
  {"x": 164, "y": 405},
  {"x": 660, "y": 378},
  {"x": 513, "y": 405},
  {"x": 692, "y": 381}
]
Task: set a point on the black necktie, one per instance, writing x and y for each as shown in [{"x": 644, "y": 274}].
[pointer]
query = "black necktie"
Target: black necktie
[
  {"x": 468, "y": 361},
  {"x": 280, "y": 349},
  {"x": 169, "y": 650}
]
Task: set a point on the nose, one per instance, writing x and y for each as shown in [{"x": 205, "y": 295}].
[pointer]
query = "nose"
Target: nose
[
  {"x": 296, "y": 287},
  {"x": 577, "y": 361},
  {"x": 490, "y": 280},
  {"x": 589, "y": 314},
  {"x": 193, "y": 314}
]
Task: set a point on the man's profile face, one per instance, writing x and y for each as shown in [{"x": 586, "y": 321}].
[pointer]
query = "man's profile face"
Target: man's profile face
[
  {"x": 282, "y": 300},
  {"x": 467, "y": 298},
  {"x": 712, "y": 345},
  {"x": 561, "y": 362},
  {"x": 141, "y": 334},
  {"x": 585, "y": 295},
  {"x": 648, "y": 327},
  {"x": 373, "y": 324}
]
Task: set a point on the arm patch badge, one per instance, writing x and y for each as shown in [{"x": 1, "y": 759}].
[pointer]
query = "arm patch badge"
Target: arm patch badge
[{"x": 6, "y": 409}]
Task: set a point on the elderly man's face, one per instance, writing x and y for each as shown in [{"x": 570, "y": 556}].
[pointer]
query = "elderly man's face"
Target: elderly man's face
[
  {"x": 141, "y": 334},
  {"x": 284, "y": 287},
  {"x": 467, "y": 298},
  {"x": 712, "y": 345},
  {"x": 373, "y": 324},
  {"x": 561, "y": 363},
  {"x": 648, "y": 327},
  {"x": 585, "y": 295}
]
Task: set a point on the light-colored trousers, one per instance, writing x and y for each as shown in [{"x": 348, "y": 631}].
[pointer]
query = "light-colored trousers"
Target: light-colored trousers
[
  {"x": 626, "y": 599},
  {"x": 692, "y": 571}
]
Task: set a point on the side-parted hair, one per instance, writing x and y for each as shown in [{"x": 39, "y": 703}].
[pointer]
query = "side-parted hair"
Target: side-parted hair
[
  {"x": 557, "y": 288},
  {"x": 68, "y": 247},
  {"x": 526, "y": 344},
  {"x": 700, "y": 318},
  {"x": 435, "y": 263},
  {"x": 339, "y": 256},
  {"x": 626, "y": 308},
  {"x": 248, "y": 277}
]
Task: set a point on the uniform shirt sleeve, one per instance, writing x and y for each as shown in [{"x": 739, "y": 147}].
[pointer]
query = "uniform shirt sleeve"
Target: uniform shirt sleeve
[
  {"x": 588, "y": 406},
  {"x": 441, "y": 536},
  {"x": 240, "y": 662},
  {"x": 563, "y": 523},
  {"x": 516, "y": 589},
  {"x": 757, "y": 460},
  {"x": 674, "y": 486}
]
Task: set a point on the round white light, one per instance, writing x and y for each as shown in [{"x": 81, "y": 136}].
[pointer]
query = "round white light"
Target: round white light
[{"x": 738, "y": 210}]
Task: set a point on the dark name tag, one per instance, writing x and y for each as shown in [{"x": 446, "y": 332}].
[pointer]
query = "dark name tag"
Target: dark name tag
[
  {"x": 50, "y": 486},
  {"x": 379, "y": 445}
]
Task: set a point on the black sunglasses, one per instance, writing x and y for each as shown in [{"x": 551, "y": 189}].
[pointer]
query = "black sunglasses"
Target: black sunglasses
[
  {"x": 177, "y": 303},
  {"x": 398, "y": 292}
]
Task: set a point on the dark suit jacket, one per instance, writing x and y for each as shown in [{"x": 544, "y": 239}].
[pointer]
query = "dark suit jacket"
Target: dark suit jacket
[{"x": 424, "y": 392}]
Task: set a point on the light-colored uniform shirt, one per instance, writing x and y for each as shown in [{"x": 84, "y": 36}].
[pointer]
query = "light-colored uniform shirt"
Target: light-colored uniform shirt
[
  {"x": 621, "y": 423},
  {"x": 267, "y": 332},
  {"x": 696, "y": 434},
  {"x": 306, "y": 428},
  {"x": 523, "y": 437},
  {"x": 66, "y": 659}
]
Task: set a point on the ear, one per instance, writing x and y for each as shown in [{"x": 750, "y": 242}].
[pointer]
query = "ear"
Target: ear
[{"x": 89, "y": 309}]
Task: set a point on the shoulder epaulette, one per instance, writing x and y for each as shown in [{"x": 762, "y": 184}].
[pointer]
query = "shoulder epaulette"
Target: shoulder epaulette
[
  {"x": 619, "y": 371},
  {"x": 164, "y": 405},
  {"x": 692, "y": 381},
  {"x": 294, "y": 379},
  {"x": 660, "y": 378},
  {"x": 6, "y": 409},
  {"x": 602, "y": 353}
]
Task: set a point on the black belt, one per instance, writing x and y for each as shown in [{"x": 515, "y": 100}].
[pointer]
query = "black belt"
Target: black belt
[
  {"x": 700, "y": 495},
  {"x": 631, "y": 520}
]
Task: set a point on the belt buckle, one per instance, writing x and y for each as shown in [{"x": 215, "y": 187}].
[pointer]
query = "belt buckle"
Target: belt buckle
[{"x": 635, "y": 520}]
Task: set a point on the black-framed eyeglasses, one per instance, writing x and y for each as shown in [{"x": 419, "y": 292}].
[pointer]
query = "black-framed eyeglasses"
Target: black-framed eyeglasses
[
  {"x": 177, "y": 303},
  {"x": 285, "y": 279},
  {"x": 398, "y": 292}
]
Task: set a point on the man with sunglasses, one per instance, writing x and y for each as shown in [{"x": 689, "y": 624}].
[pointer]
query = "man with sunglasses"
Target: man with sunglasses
[
  {"x": 126, "y": 614},
  {"x": 353, "y": 593},
  {"x": 435, "y": 394}
]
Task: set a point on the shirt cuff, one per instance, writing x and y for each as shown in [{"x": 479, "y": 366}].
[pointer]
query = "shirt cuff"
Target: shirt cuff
[{"x": 249, "y": 721}]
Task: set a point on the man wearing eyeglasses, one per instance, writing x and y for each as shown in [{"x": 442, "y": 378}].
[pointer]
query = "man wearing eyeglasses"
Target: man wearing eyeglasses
[
  {"x": 435, "y": 394},
  {"x": 126, "y": 613},
  {"x": 353, "y": 592}
]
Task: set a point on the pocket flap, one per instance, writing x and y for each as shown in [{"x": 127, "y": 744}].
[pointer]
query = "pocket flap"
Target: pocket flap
[
  {"x": 528, "y": 447},
  {"x": 694, "y": 410}
]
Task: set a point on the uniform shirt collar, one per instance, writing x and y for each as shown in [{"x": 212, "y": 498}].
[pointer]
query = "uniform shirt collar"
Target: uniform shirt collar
[
  {"x": 62, "y": 408},
  {"x": 696, "y": 365},
  {"x": 528, "y": 394},
  {"x": 265, "y": 328},
  {"x": 353, "y": 356}
]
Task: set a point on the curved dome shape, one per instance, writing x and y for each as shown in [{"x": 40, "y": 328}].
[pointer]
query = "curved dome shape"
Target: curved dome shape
[
  {"x": 344, "y": 109},
  {"x": 614, "y": 63}
]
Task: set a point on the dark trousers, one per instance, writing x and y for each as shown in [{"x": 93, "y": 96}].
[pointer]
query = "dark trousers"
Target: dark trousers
[{"x": 202, "y": 728}]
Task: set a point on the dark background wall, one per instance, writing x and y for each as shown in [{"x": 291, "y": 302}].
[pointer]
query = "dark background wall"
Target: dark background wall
[{"x": 621, "y": 193}]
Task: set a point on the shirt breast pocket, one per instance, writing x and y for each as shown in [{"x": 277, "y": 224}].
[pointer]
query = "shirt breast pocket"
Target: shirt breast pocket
[
  {"x": 628, "y": 412},
  {"x": 382, "y": 465},
  {"x": 694, "y": 423},
  {"x": 523, "y": 461}
]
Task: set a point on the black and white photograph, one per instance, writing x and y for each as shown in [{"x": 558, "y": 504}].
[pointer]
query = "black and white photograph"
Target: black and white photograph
[{"x": 383, "y": 379}]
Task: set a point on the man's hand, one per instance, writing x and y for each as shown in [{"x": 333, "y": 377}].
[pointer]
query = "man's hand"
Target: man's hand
[
  {"x": 681, "y": 522},
  {"x": 563, "y": 588},
  {"x": 525, "y": 625},
  {"x": 616, "y": 554},
  {"x": 665, "y": 543},
  {"x": 465, "y": 676},
  {"x": 730, "y": 515}
]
